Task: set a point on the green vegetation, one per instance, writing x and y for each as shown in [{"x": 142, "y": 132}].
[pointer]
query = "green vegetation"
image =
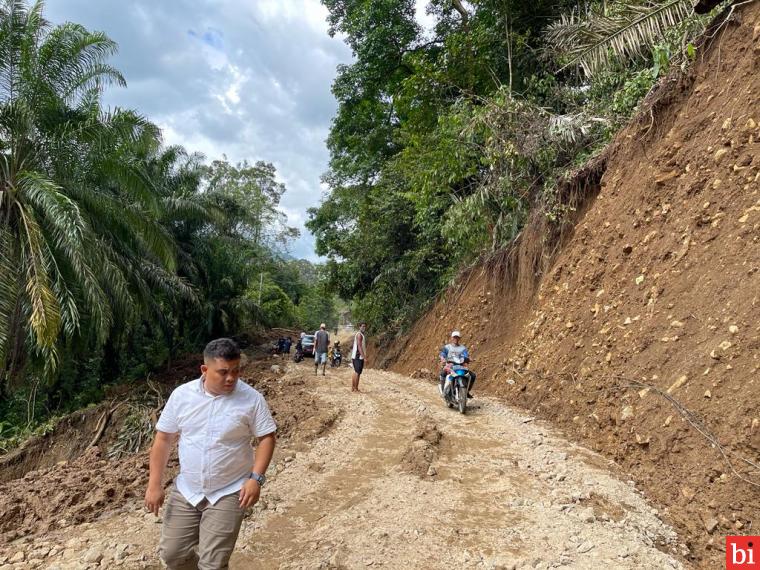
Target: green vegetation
[
  {"x": 446, "y": 139},
  {"x": 116, "y": 252}
]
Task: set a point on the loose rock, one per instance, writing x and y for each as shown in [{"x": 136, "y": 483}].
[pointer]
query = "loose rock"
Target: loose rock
[{"x": 93, "y": 555}]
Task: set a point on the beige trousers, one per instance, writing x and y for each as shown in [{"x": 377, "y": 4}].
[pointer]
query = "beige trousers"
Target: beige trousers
[{"x": 202, "y": 537}]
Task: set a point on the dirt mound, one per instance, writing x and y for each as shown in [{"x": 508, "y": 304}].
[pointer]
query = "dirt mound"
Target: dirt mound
[
  {"x": 66, "y": 442},
  {"x": 423, "y": 451},
  {"x": 267, "y": 336},
  {"x": 69, "y": 494},
  {"x": 642, "y": 339}
]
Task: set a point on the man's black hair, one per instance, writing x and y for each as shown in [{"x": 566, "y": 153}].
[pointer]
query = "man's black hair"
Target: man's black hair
[{"x": 224, "y": 348}]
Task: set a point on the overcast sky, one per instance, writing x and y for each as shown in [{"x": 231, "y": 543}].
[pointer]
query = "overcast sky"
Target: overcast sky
[{"x": 247, "y": 79}]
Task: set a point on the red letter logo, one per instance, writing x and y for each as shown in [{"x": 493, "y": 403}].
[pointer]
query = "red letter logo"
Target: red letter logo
[{"x": 740, "y": 552}]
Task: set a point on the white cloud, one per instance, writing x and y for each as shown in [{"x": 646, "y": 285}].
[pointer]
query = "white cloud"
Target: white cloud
[
  {"x": 423, "y": 18},
  {"x": 230, "y": 97},
  {"x": 275, "y": 11},
  {"x": 250, "y": 81}
]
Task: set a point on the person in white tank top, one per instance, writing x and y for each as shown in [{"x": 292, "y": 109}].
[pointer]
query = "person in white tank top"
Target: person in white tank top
[{"x": 358, "y": 355}]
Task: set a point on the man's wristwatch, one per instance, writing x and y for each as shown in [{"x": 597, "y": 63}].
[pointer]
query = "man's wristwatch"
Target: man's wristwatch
[{"x": 260, "y": 479}]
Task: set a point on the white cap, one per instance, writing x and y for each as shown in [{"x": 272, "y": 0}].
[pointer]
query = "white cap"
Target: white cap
[
  {"x": 457, "y": 334},
  {"x": 322, "y": 326}
]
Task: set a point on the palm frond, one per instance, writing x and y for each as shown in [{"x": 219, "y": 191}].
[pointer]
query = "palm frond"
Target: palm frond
[
  {"x": 168, "y": 283},
  {"x": 113, "y": 277},
  {"x": 45, "y": 313},
  {"x": 573, "y": 129},
  {"x": 63, "y": 222},
  {"x": 128, "y": 225},
  {"x": 70, "y": 316},
  {"x": 72, "y": 58},
  {"x": 46, "y": 196},
  {"x": 131, "y": 128},
  {"x": 9, "y": 290},
  {"x": 620, "y": 30},
  {"x": 13, "y": 24},
  {"x": 132, "y": 180},
  {"x": 194, "y": 208}
]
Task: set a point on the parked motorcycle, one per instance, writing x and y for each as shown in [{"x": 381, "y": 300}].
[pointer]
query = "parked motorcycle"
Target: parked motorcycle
[{"x": 456, "y": 385}]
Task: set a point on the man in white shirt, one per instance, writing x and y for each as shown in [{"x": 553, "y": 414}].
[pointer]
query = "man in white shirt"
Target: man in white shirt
[{"x": 214, "y": 419}]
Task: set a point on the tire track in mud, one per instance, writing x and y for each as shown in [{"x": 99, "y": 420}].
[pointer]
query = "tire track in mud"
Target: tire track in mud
[{"x": 331, "y": 485}]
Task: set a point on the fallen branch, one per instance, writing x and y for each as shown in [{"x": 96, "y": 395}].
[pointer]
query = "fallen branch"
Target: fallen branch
[
  {"x": 159, "y": 401},
  {"x": 102, "y": 423}
]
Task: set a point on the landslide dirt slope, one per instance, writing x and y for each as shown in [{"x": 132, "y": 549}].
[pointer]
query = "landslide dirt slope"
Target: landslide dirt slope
[{"x": 659, "y": 283}]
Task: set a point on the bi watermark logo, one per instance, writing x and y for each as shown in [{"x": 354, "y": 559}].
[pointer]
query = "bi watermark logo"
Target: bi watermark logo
[{"x": 742, "y": 552}]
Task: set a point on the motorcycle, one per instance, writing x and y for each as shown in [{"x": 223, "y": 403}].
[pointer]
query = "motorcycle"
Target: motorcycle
[
  {"x": 298, "y": 357},
  {"x": 336, "y": 359},
  {"x": 456, "y": 385}
]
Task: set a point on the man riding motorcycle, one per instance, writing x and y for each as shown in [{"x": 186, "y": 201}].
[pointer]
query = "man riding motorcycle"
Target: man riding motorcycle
[
  {"x": 335, "y": 355},
  {"x": 455, "y": 350}
]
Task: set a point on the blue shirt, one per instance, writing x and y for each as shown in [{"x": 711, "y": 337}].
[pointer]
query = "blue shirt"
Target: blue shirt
[{"x": 458, "y": 350}]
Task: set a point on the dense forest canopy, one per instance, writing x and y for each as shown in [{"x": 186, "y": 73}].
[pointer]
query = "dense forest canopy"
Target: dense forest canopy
[
  {"x": 445, "y": 139},
  {"x": 118, "y": 253}
]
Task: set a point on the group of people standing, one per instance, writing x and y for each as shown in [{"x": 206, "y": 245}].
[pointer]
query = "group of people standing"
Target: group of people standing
[
  {"x": 358, "y": 352},
  {"x": 284, "y": 343}
]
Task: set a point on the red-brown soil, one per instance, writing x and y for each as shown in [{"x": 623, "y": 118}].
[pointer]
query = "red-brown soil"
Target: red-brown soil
[{"x": 658, "y": 285}]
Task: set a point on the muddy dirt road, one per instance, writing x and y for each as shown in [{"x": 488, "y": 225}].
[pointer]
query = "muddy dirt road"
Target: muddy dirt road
[{"x": 400, "y": 481}]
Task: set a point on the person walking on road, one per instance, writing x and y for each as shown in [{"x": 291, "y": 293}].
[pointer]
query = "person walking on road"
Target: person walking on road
[
  {"x": 321, "y": 344},
  {"x": 358, "y": 355},
  {"x": 214, "y": 418},
  {"x": 286, "y": 347}
]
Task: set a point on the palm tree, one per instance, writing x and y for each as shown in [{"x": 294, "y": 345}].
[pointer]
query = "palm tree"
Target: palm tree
[{"x": 81, "y": 233}]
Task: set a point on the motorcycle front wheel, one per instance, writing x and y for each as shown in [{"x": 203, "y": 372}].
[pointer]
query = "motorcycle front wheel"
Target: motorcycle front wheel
[{"x": 462, "y": 399}]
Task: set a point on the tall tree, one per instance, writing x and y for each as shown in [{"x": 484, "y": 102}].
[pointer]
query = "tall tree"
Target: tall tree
[
  {"x": 255, "y": 190},
  {"x": 403, "y": 157},
  {"x": 76, "y": 209}
]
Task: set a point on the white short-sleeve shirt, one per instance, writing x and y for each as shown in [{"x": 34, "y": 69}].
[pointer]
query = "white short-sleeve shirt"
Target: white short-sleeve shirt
[{"x": 215, "y": 451}]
